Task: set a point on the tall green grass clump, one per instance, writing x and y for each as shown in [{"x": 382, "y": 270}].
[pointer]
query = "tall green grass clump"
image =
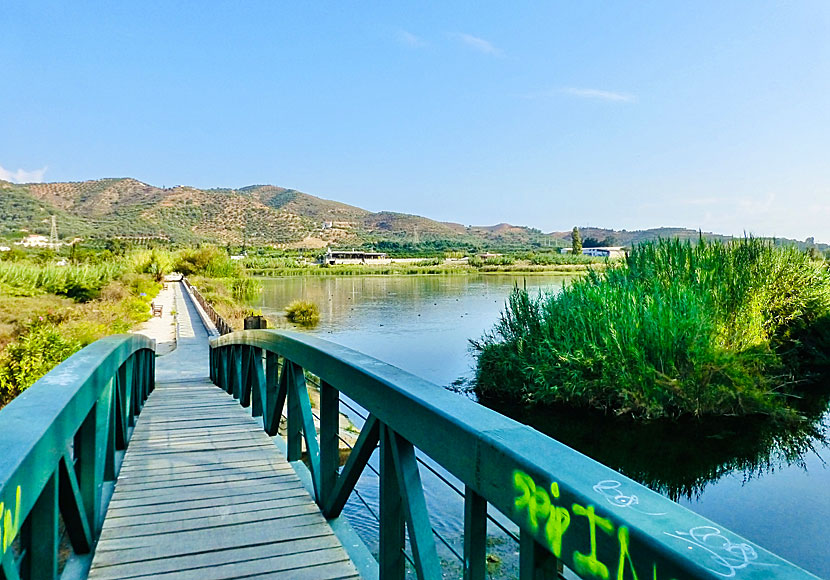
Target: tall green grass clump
[
  {"x": 81, "y": 283},
  {"x": 303, "y": 312},
  {"x": 677, "y": 329}
]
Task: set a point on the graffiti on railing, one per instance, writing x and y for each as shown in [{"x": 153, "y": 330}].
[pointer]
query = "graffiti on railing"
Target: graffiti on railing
[
  {"x": 9, "y": 522},
  {"x": 724, "y": 555},
  {"x": 611, "y": 489},
  {"x": 540, "y": 506}
]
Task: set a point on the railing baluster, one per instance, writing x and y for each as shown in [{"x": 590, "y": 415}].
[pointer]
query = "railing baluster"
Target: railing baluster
[
  {"x": 74, "y": 513},
  {"x": 417, "y": 517},
  {"x": 86, "y": 466},
  {"x": 275, "y": 392},
  {"x": 329, "y": 440},
  {"x": 245, "y": 382},
  {"x": 123, "y": 387},
  {"x": 257, "y": 375},
  {"x": 392, "y": 533},
  {"x": 40, "y": 534},
  {"x": 236, "y": 372},
  {"x": 300, "y": 390},
  {"x": 366, "y": 443},
  {"x": 109, "y": 452},
  {"x": 475, "y": 535},
  {"x": 535, "y": 562},
  {"x": 295, "y": 423}
]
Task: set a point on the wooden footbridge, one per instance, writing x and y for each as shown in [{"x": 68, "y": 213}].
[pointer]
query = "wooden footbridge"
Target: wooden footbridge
[{"x": 118, "y": 465}]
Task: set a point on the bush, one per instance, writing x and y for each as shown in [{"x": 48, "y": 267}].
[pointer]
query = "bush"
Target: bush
[
  {"x": 302, "y": 312},
  {"x": 26, "y": 360},
  {"x": 676, "y": 329}
]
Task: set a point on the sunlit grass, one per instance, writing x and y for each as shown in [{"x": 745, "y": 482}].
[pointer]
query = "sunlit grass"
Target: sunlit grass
[{"x": 676, "y": 329}]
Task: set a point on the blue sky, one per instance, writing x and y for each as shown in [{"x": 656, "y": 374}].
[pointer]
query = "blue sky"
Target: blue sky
[{"x": 712, "y": 115}]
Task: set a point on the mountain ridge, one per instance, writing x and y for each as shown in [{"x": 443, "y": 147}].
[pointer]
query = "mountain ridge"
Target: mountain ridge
[{"x": 125, "y": 207}]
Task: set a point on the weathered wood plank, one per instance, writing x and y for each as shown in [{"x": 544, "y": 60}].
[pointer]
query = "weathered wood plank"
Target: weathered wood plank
[
  {"x": 132, "y": 508},
  {"x": 140, "y": 517},
  {"x": 201, "y": 562},
  {"x": 164, "y": 531},
  {"x": 203, "y": 493},
  {"x": 192, "y": 542}
]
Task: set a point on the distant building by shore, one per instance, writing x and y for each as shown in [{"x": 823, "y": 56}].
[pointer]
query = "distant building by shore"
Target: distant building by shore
[
  {"x": 611, "y": 252},
  {"x": 355, "y": 257}
]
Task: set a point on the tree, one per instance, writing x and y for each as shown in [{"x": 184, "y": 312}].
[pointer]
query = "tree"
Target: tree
[{"x": 576, "y": 241}]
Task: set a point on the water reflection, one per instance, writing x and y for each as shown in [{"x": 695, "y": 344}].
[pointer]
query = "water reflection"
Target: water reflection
[{"x": 679, "y": 458}]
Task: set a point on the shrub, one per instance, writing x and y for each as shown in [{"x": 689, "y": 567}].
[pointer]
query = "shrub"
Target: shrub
[
  {"x": 676, "y": 329},
  {"x": 30, "y": 357},
  {"x": 302, "y": 312}
]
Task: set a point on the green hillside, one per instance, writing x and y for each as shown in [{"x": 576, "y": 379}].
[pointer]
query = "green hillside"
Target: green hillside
[{"x": 265, "y": 215}]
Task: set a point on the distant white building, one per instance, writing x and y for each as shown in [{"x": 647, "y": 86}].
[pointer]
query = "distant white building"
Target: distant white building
[
  {"x": 610, "y": 252},
  {"x": 355, "y": 257},
  {"x": 34, "y": 241}
]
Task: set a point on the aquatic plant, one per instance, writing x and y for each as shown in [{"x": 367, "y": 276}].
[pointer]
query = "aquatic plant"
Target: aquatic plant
[
  {"x": 676, "y": 329},
  {"x": 302, "y": 312}
]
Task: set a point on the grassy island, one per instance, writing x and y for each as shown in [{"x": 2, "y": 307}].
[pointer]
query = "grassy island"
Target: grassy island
[{"x": 676, "y": 329}]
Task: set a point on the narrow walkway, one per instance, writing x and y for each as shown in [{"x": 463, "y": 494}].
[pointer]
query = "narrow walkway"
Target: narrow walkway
[{"x": 204, "y": 493}]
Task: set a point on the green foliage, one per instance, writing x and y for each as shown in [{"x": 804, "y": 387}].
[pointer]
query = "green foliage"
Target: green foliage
[
  {"x": 303, "y": 312},
  {"x": 81, "y": 283},
  {"x": 551, "y": 258},
  {"x": 33, "y": 355},
  {"x": 244, "y": 288},
  {"x": 38, "y": 329},
  {"x": 157, "y": 263},
  {"x": 576, "y": 241},
  {"x": 207, "y": 261},
  {"x": 677, "y": 329}
]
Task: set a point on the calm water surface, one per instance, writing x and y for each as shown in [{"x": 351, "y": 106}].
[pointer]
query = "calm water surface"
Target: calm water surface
[{"x": 770, "y": 487}]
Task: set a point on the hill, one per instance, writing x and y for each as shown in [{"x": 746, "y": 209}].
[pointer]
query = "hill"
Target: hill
[
  {"x": 265, "y": 215},
  {"x": 259, "y": 214}
]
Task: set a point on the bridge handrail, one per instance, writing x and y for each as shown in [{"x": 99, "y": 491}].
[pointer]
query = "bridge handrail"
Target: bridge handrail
[
  {"x": 61, "y": 440},
  {"x": 570, "y": 509},
  {"x": 221, "y": 324}
]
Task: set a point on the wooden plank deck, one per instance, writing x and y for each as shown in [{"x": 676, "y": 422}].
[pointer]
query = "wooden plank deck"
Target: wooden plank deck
[{"x": 204, "y": 493}]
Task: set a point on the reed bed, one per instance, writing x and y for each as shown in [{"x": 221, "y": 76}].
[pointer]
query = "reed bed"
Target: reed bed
[
  {"x": 677, "y": 329},
  {"x": 81, "y": 283}
]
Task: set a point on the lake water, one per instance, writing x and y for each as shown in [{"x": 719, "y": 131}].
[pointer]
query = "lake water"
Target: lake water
[{"x": 767, "y": 484}]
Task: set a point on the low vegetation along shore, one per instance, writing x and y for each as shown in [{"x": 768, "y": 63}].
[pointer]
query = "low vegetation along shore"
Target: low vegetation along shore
[
  {"x": 50, "y": 307},
  {"x": 47, "y": 312},
  {"x": 676, "y": 329}
]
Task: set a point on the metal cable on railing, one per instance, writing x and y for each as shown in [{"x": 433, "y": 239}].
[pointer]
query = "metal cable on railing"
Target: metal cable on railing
[{"x": 434, "y": 471}]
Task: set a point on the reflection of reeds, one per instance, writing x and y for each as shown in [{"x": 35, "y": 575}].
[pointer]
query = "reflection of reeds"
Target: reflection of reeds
[
  {"x": 417, "y": 269},
  {"x": 677, "y": 329},
  {"x": 303, "y": 312}
]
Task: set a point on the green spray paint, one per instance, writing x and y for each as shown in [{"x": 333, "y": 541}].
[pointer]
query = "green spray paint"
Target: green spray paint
[
  {"x": 10, "y": 524},
  {"x": 589, "y": 563}
]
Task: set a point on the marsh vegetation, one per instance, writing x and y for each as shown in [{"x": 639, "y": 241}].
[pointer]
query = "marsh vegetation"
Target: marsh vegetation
[{"x": 677, "y": 329}]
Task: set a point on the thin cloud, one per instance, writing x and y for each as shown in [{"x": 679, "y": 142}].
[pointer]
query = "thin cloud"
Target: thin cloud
[
  {"x": 408, "y": 39},
  {"x": 22, "y": 176},
  {"x": 478, "y": 44},
  {"x": 599, "y": 95}
]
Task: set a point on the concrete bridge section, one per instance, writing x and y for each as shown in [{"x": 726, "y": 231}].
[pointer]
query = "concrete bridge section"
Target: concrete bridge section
[{"x": 203, "y": 492}]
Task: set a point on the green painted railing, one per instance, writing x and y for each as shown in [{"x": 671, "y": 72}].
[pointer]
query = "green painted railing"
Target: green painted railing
[
  {"x": 571, "y": 510},
  {"x": 61, "y": 441}
]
